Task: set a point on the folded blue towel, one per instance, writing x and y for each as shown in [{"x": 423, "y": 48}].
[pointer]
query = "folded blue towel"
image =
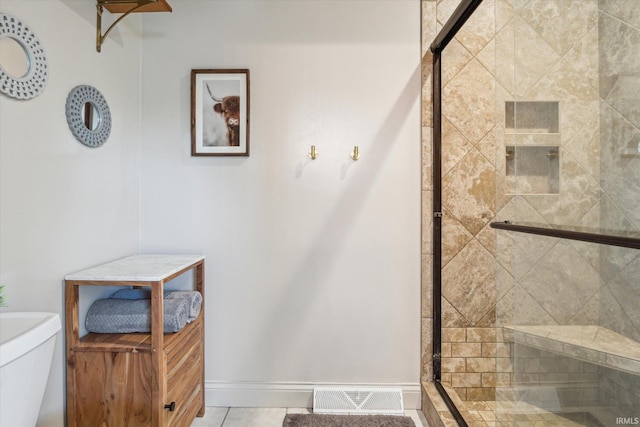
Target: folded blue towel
[
  {"x": 132, "y": 293},
  {"x": 111, "y": 315},
  {"x": 194, "y": 298}
]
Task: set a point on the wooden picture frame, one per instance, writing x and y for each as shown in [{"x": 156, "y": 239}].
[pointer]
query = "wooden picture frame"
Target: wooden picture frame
[{"x": 220, "y": 112}]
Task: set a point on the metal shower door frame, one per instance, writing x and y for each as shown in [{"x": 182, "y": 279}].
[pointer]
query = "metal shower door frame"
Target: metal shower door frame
[{"x": 457, "y": 20}]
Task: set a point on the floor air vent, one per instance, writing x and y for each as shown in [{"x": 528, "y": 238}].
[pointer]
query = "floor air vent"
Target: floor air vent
[{"x": 358, "y": 400}]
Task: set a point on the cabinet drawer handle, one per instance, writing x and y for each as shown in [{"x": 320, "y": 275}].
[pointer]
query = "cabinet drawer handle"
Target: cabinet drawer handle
[{"x": 170, "y": 407}]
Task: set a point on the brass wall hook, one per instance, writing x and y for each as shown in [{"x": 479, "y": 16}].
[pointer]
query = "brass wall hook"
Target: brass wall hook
[
  {"x": 355, "y": 154},
  {"x": 313, "y": 154}
]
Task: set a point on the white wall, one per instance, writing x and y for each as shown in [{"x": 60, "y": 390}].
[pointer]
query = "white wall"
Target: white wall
[
  {"x": 63, "y": 206},
  {"x": 312, "y": 267}
]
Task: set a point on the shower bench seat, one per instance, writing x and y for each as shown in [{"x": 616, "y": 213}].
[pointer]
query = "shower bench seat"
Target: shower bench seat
[
  {"x": 589, "y": 343},
  {"x": 135, "y": 379}
]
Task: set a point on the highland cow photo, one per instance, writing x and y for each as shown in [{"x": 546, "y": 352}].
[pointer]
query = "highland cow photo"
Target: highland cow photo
[{"x": 219, "y": 112}]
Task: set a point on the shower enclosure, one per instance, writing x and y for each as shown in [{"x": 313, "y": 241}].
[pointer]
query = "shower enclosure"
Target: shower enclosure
[{"x": 536, "y": 211}]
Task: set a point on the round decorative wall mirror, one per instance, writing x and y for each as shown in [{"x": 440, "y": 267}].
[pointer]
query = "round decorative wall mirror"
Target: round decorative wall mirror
[
  {"x": 23, "y": 63},
  {"x": 88, "y": 115},
  {"x": 14, "y": 60},
  {"x": 91, "y": 116}
]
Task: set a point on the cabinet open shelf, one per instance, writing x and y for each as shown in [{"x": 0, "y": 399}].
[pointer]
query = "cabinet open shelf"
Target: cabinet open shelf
[{"x": 133, "y": 343}]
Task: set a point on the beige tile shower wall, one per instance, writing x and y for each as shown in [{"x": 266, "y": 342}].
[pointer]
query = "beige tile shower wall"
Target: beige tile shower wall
[
  {"x": 479, "y": 266},
  {"x": 549, "y": 381},
  {"x": 474, "y": 357},
  {"x": 545, "y": 53},
  {"x": 476, "y": 361},
  {"x": 619, "y": 47},
  {"x": 550, "y": 44}
]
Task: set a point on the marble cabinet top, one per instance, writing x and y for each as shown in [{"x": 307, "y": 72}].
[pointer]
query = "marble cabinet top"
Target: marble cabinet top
[{"x": 139, "y": 268}]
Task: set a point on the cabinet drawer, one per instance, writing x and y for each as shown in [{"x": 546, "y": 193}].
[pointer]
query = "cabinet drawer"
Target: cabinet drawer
[
  {"x": 184, "y": 376},
  {"x": 180, "y": 346}
]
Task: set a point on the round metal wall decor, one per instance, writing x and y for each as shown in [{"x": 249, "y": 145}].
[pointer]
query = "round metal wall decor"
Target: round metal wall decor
[
  {"x": 34, "y": 80},
  {"x": 88, "y": 115}
]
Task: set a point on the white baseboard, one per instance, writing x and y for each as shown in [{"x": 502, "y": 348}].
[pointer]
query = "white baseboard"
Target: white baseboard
[{"x": 287, "y": 395}]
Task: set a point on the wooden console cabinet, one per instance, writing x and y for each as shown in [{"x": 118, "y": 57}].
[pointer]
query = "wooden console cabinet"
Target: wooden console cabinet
[{"x": 142, "y": 379}]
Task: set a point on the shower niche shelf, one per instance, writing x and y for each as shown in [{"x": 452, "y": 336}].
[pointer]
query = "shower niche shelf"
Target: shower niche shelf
[
  {"x": 589, "y": 343},
  {"x": 532, "y": 117},
  {"x": 532, "y": 160},
  {"x": 533, "y": 169}
]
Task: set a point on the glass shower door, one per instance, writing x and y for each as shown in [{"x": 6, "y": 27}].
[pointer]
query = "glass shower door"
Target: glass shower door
[{"x": 567, "y": 134}]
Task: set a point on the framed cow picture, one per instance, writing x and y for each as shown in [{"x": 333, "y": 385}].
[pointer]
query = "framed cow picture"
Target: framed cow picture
[{"x": 219, "y": 112}]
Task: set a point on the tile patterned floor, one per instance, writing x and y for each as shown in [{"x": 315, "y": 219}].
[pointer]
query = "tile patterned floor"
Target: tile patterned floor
[{"x": 265, "y": 417}]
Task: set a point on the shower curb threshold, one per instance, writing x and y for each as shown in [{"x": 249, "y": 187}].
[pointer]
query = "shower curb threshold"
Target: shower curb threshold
[{"x": 435, "y": 409}]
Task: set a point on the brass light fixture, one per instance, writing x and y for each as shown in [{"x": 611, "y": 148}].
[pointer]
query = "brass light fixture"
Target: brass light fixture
[{"x": 125, "y": 7}]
